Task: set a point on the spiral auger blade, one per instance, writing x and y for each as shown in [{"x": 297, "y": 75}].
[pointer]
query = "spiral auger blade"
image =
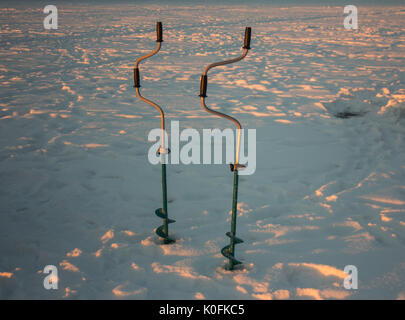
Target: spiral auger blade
[
  {"x": 162, "y": 231},
  {"x": 227, "y": 252}
]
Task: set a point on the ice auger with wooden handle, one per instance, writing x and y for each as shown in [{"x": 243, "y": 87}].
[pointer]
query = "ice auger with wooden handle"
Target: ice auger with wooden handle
[
  {"x": 229, "y": 250},
  {"x": 163, "y": 230}
]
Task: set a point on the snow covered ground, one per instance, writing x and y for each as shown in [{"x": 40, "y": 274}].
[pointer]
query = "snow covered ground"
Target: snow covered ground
[{"x": 77, "y": 190}]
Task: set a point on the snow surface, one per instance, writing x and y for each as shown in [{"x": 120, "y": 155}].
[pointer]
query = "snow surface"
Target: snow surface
[{"x": 78, "y": 192}]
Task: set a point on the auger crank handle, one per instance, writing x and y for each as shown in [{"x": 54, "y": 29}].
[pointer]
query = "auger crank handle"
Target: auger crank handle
[{"x": 159, "y": 39}]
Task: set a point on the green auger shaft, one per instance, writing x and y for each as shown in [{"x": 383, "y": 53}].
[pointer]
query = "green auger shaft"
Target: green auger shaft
[
  {"x": 164, "y": 193},
  {"x": 229, "y": 250},
  {"x": 234, "y": 214},
  {"x": 163, "y": 230}
]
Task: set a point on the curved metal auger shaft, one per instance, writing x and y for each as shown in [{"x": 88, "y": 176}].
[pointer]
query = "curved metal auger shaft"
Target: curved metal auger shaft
[
  {"x": 229, "y": 250},
  {"x": 163, "y": 230}
]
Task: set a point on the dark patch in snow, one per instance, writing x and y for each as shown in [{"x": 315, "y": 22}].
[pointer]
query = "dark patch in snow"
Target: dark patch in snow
[{"x": 348, "y": 114}]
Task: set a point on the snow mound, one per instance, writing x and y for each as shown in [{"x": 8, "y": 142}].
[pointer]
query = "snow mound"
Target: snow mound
[{"x": 367, "y": 101}]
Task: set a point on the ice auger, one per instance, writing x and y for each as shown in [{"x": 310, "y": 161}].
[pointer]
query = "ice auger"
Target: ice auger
[
  {"x": 163, "y": 230},
  {"x": 229, "y": 251}
]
